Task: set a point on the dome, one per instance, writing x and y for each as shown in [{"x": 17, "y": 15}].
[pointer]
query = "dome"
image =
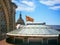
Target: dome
[{"x": 20, "y": 20}]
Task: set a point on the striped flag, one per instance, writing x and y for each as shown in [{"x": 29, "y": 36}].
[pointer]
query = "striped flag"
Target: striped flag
[{"x": 29, "y": 19}]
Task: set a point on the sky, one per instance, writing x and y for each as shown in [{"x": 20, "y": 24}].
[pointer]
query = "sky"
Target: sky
[{"x": 40, "y": 10}]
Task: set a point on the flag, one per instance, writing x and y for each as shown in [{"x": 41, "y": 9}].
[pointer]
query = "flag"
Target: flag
[{"x": 29, "y": 19}]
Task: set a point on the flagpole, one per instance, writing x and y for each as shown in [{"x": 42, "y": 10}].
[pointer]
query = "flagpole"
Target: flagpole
[{"x": 26, "y": 22}]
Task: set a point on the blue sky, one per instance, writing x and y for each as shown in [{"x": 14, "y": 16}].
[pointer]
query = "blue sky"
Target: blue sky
[{"x": 40, "y": 10}]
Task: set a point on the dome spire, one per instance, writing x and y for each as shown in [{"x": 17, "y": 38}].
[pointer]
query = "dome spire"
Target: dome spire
[{"x": 20, "y": 15}]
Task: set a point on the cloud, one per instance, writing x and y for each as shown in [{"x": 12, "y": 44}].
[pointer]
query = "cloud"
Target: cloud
[
  {"x": 24, "y": 5},
  {"x": 22, "y": 8},
  {"x": 29, "y": 3},
  {"x": 55, "y": 7},
  {"x": 51, "y": 4}
]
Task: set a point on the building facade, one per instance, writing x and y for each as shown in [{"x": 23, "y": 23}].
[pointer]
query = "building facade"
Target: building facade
[{"x": 7, "y": 16}]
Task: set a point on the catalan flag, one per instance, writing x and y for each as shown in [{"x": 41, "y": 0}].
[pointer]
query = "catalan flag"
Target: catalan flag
[{"x": 29, "y": 19}]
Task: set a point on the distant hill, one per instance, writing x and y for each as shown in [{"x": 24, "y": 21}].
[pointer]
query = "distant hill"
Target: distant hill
[{"x": 55, "y": 26}]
